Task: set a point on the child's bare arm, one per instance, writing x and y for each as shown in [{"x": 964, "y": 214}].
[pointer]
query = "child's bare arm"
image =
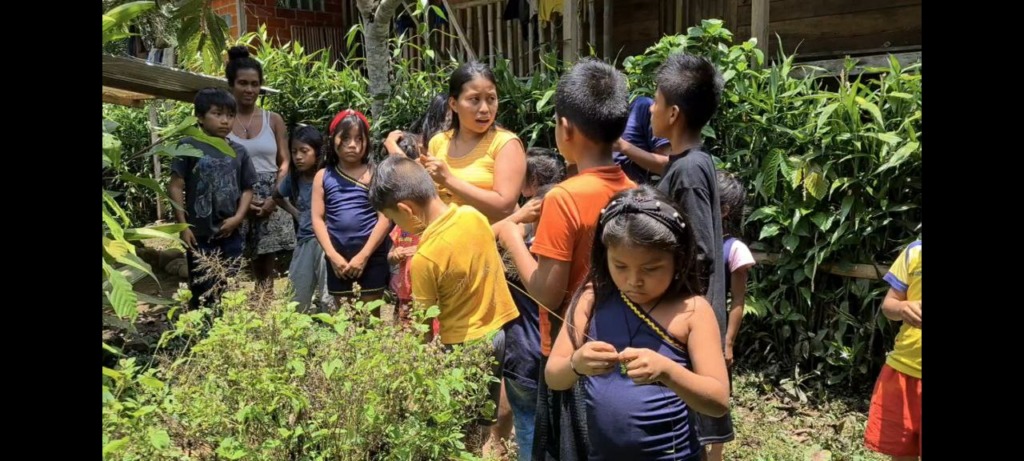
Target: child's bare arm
[
  {"x": 285, "y": 204},
  {"x": 655, "y": 162},
  {"x": 896, "y": 307},
  {"x": 706, "y": 388},
  {"x": 739, "y": 293},
  {"x": 176, "y": 189},
  {"x": 592, "y": 358}
]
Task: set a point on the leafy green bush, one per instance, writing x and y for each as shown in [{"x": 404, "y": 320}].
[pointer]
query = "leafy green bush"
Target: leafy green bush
[{"x": 268, "y": 383}]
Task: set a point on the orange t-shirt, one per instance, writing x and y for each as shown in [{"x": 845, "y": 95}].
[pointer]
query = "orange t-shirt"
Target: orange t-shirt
[{"x": 565, "y": 231}]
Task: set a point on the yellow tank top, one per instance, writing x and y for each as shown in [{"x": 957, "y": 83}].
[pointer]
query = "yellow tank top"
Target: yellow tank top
[{"x": 476, "y": 168}]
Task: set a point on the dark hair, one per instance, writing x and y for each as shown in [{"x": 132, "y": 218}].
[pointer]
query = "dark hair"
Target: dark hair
[
  {"x": 733, "y": 197},
  {"x": 410, "y": 144},
  {"x": 315, "y": 140},
  {"x": 434, "y": 120},
  {"x": 463, "y": 75},
  {"x": 238, "y": 59},
  {"x": 692, "y": 83},
  {"x": 643, "y": 217},
  {"x": 594, "y": 98},
  {"x": 342, "y": 129},
  {"x": 544, "y": 167},
  {"x": 543, "y": 190},
  {"x": 399, "y": 178},
  {"x": 207, "y": 98}
]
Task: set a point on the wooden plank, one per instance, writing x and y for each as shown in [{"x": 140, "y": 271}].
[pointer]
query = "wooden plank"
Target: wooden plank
[
  {"x": 759, "y": 23},
  {"x": 498, "y": 35},
  {"x": 863, "y": 271},
  {"x": 592, "y": 22},
  {"x": 836, "y": 66},
  {"x": 511, "y": 48},
  {"x": 454, "y": 21},
  {"x": 607, "y": 26},
  {"x": 490, "y": 33},
  {"x": 878, "y": 29},
  {"x": 678, "y": 17},
  {"x": 520, "y": 67},
  {"x": 478, "y": 12},
  {"x": 531, "y": 51},
  {"x": 786, "y": 10},
  {"x": 570, "y": 23}
]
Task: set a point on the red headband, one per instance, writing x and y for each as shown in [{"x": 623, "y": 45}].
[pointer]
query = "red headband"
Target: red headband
[{"x": 346, "y": 113}]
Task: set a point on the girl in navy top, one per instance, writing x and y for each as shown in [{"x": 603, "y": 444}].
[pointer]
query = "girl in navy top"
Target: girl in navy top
[
  {"x": 351, "y": 233},
  {"x": 645, "y": 344}
]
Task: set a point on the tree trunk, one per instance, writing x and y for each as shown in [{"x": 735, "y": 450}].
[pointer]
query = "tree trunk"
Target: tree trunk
[{"x": 376, "y": 16}]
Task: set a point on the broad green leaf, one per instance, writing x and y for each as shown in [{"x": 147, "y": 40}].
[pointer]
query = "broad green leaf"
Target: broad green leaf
[
  {"x": 544, "y": 100},
  {"x": 115, "y": 446},
  {"x": 120, "y": 294},
  {"x": 790, "y": 242},
  {"x": 159, "y": 438},
  {"x": 219, "y": 143},
  {"x": 770, "y": 171},
  {"x": 152, "y": 383},
  {"x": 825, "y": 114},
  {"x": 770, "y": 230},
  {"x": 816, "y": 185},
  {"x": 150, "y": 183}
]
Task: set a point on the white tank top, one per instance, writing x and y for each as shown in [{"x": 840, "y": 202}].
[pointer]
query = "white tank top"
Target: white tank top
[{"x": 263, "y": 148}]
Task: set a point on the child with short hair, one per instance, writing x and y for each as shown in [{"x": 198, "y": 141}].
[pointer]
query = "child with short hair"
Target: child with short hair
[{"x": 213, "y": 193}]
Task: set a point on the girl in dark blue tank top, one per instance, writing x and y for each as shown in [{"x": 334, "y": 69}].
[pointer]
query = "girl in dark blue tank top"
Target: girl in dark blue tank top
[
  {"x": 645, "y": 345},
  {"x": 352, "y": 234}
]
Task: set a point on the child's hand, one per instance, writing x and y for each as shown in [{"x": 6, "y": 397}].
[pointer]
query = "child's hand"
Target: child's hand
[
  {"x": 594, "y": 358},
  {"x": 266, "y": 209},
  {"x": 728, "y": 355},
  {"x": 438, "y": 170},
  {"x": 911, "y": 313},
  {"x": 189, "y": 238},
  {"x": 507, "y": 231},
  {"x": 529, "y": 213},
  {"x": 339, "y": 265},
  {"x": 391, "y": 143},
  {"x": 644, "y": 366},
  {"x": 355, "y": 267},
  {"x": 408, "y": 252},
  {"x": 228, "y": 226}
]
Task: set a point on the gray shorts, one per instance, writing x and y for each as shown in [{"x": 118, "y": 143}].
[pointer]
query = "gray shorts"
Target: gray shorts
[{"x": 308, "y": 275}]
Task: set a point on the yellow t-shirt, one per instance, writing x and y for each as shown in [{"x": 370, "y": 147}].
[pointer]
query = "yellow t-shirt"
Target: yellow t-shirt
[
  {"x": 476, "y": 168},
  {"x": 457, "y": 268},
  {"x": 905, "y": 276}
]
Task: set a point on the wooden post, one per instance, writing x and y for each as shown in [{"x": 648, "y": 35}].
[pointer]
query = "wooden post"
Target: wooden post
[
  {"x": 569, "y": 26},
  {"x": 479, "y": 13},
  {"x": 607, "y": 25},
  {"x": 529, "y": 39},
  {"x": 490, "y": 34},
  {"x": 592, "y": 22},
  {"x": 759, "y": 23},
  {"x": 510, "y": 36},
  {"x": 519, "y": 47},
  {"x": 501, "y": 43},
  {"x": 679, "y": 16},
  {"x": 454, "y": 21}
]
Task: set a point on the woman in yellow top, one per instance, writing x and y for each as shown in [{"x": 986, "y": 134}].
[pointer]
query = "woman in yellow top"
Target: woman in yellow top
[{"x": 476, "y": 163}]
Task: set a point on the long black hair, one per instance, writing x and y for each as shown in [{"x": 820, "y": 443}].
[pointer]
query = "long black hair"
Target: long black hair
[
  {"x": 342, "y": 129},
  {"x": 463, "y": 75},
  {"x": 733, "y": 197},
  {"x": 642, "y": 217},
  {"x": 314, "y": 139}
]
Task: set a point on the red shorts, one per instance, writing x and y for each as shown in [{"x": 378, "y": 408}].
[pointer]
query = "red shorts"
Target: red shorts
[{"x": 894, "y": 420}]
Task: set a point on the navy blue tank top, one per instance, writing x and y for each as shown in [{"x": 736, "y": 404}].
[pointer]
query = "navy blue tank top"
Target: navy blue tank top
[
  {"x": 350, "y": 218},
  {"x": 630, "y": 421}
]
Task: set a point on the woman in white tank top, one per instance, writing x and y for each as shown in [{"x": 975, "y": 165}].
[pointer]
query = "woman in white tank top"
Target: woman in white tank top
[{"x": 268, "y": 230}]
